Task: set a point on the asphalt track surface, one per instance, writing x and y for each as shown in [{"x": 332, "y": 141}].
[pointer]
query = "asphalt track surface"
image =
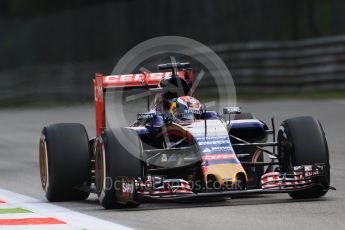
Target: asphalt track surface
[{"x": 19, "y": 172}]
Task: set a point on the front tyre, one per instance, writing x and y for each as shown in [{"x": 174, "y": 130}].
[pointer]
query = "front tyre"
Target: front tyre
[
  {"x": 116, "y": 168},
  {"x": 304, "y": 143},
  {"x": 64, "y": 159}
]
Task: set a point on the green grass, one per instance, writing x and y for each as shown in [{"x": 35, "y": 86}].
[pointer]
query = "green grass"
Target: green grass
[{"x": 13, "y": 210}]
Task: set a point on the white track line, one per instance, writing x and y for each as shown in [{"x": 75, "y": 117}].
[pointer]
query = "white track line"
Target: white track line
[
  {"x": 74, "y": 220},
  {"x": 20, "y": 215},
  {"x": 5, "y": 205}
]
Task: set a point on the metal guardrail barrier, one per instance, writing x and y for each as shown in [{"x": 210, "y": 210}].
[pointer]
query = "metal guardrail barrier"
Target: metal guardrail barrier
[
  {"x": 310, "y": 65},
  {"x": 290, "y": 66}
]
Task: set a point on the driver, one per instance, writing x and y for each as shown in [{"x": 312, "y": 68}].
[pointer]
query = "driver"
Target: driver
[
  {"x": 174, "y": 87},
  {"x": 185, "y": 108},
  {"x": 175, "y": 99}
]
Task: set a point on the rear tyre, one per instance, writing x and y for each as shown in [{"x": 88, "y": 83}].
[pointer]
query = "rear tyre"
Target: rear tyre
[
  {"x": 114, "y": 161},
  {"x": 304, "y": 143},
  {"x": 64, "y": 159}
]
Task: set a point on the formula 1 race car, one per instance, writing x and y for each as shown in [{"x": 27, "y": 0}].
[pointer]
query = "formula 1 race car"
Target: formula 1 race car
[{"x": 178, "y": 150}]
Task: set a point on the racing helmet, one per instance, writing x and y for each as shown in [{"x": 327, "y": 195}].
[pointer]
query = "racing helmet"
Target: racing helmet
[
  {"x": 175, "y": 87},
  {"x": 186, "y": 108}
]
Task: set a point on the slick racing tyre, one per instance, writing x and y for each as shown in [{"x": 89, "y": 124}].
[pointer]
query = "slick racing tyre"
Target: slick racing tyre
[
  {"x": 116, "y": 167},
  {"x": 64, "y": 159},
  {"x": 304, "y": 143}
]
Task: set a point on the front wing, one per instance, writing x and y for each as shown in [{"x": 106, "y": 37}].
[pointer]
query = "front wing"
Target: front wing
[
  {"x": 302, "y": 178},
  {"x": 230, "y": 194}
]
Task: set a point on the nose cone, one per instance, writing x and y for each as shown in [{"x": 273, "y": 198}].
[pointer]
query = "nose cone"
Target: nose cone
[{"x": 226, "y": 175}]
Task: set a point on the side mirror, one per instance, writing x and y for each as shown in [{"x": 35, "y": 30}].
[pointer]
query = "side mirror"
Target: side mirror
[{"x": 232, "y": 110}]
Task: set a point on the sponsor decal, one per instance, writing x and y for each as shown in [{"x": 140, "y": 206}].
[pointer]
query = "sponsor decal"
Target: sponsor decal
[
  {"x": 212, "y": 157},
  {"x": 127, "y": 187},
  {"x": 99, "y": 94},
  {"x": 127, "y": 191},
  {"x": 231, "y": 110},
  {"x": 221, "y": 148},
  {"x": 210, "y": 149},
  {"x": 201, "y": 143},
  {"x": 141, "y": 116},
  {"x": 206, "y": 150},
  {"x": 193, "y": 111},
  {"x": 127, "y": 78},
  {"x": 201, "y": 138}
]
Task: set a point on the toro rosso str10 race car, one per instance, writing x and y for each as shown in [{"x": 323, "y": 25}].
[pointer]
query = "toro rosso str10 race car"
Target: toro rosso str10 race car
[{"x": 178, "y": 150}]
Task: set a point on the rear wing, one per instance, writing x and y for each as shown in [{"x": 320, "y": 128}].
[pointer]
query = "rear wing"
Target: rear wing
[{"x": 118, "y": 82}]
